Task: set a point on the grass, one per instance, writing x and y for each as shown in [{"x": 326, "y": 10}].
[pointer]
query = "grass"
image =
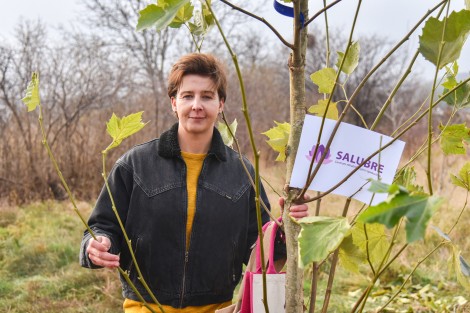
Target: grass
[
  {"x": 39, "y": 269},
  {"x": 39, "y": 264}
]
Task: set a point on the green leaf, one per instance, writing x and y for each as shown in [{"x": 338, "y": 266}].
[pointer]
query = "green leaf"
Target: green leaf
[
  {"x": 225, "y": 133},
  {"x": 207, "y": 15},
  {"x": 456, "y": 32},
  {"x": 119, "y": 129},
  {"x": 375, "y": 244},
  {"x": 417, "y": 220},
  {"x": 453, "y": 138},
  {"x": 463, "y": 179},
  {"x": 455, "y": 68},
  {"x": 450, "y": 82},
  {"x": 31, "y": 98},
  {"x": 184, "y": 14},
  {"x": 350, "y": 256},
  {"x": 407, "y": 178},
  {"x": 319, "y": 236},
  {"x": 324, "y": 79},
  {"x": 378, "y": 187},
  {"x": 460, "y": 267},
  {"x": 460, "y": 97},
  {"x": 202, "y": 21},
  {"x": 159, "y": 16},
  {"x": 467, "y": 4},
  {"x": 319, "y": 109},
  {"x": 418, "y": 209},
  {"x": 278, "y": 139},
  {"x": 352, "y": 58}
]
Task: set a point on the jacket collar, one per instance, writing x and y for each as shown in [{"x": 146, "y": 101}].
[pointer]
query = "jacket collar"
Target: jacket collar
[{"x": 168, "y": 146}]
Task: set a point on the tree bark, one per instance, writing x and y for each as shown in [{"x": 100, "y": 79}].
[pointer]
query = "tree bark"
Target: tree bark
[{"x": 294, "y": 275}]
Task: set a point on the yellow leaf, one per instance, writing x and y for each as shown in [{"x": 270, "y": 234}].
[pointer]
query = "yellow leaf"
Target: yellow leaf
[
  {"x": 121, "y": 128},
  {"x": 375, "y": 244},
  {"x": 278, "y": 139},
  {"x": 31, "y": 98},
  {"x": 320, "y": 108}
]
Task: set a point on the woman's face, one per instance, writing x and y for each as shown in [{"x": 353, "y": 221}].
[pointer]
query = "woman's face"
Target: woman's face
[{"x": 197, "y": 105}]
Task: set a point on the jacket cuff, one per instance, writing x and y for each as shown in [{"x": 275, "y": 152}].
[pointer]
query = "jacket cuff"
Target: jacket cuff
[{"x": 83, "y": 256}]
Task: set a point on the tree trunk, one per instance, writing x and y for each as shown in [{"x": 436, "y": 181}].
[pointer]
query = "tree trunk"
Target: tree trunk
[{"x": 294, "y": 275}]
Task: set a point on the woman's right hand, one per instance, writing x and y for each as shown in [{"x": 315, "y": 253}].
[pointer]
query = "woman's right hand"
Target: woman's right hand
[{"x": 98, "y": 252}]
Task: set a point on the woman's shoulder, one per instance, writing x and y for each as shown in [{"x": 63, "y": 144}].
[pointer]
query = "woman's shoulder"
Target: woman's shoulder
[{"x": 139, "y": 152}]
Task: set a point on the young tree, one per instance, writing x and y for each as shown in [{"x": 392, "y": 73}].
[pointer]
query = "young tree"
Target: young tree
[{"x": 441, "y": 42}]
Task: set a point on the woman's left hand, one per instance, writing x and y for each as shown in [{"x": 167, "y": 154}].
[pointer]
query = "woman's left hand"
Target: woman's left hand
[{"x": 296, "y": 211}]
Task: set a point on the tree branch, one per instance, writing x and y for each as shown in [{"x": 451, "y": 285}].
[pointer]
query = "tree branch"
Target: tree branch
[
  {"x": 319, "y": 12},
  {"x": 382, "y": 148},
  {"x": 262, "y": 20}
]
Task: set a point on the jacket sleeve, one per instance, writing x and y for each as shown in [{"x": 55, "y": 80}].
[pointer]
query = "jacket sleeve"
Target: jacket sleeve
[{"x": 103, "y": 221}]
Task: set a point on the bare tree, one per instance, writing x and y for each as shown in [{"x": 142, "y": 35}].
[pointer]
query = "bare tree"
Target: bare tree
[
  {"x": 377, "y": 89},
  {"x": 77, "y": 77},
  {"x": 16, "y": 66},
  {"x": 147, "y": 52}
]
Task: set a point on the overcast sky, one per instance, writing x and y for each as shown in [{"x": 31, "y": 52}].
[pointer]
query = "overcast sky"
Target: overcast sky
[{"x": 389, "y": 18}]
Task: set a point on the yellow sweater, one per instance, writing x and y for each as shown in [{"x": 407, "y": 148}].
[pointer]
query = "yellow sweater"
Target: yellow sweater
[{"x": 194, "y": 166}]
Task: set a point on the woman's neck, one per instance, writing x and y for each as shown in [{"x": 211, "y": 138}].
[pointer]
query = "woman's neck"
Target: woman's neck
[{"x": 195, "y": 143}]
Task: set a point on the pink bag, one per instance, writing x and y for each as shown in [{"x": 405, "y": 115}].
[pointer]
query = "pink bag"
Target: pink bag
[
  {"x": 252, "y": 299},
  {"x": 251, "y": 283}
]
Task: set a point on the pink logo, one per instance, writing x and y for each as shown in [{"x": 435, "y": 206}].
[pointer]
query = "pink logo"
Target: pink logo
[{"x": 320, "y": 152}]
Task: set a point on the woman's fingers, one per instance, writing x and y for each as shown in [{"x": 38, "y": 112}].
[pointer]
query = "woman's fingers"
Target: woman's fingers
[
  {"x": 98, "y": 252},
  {"x": 297, "y": 210}
]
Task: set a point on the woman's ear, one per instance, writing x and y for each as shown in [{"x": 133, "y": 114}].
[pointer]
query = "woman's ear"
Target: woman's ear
[{"x": 221, "y": 105}]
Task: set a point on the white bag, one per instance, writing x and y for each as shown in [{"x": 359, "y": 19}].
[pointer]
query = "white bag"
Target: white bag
[{"x": 276, "y": 290}]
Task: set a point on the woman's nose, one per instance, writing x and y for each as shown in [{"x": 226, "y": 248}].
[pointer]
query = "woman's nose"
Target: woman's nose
[{"x": 197, "y": 103}]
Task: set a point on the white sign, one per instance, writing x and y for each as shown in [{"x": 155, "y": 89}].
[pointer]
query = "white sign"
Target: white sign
[{"x": 350, "y": 147}]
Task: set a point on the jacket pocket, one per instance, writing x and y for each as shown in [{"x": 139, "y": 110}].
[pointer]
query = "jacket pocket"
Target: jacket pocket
[{"x": 231, "y": 194}]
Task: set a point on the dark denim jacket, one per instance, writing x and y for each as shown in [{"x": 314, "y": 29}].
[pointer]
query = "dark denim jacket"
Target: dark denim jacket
[{"x": 149, "y": 188}]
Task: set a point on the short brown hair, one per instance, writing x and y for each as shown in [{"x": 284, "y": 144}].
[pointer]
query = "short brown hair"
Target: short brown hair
[{"x": 199, "y": 64}]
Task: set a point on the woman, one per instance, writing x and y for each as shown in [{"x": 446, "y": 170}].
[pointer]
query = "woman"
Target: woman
[{"x": 185, "y": 202}]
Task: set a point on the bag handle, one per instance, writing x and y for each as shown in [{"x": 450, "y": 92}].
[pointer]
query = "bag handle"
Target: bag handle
[{"x": 271, "y": 240}]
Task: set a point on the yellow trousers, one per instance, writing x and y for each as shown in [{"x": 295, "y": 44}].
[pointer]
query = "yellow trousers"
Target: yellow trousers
[{"x": 131, "y": 306}]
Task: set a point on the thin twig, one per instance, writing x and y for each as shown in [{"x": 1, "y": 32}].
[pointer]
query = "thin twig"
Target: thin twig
[
  {"x": 460, "y": 215},
  {"x": 240, "y": 157},
  {"x": 394, "y": 91},
  {"x": 75, "y": 208},
  {"x": 385, "y": 146},
  {"x": 353, "y": 96},
  {"x": 334, "y": 262},
  {"x": 320, "y": 12},
  {"x": 311, "y": 175},
  {"x": 140, "y": 277},
  {"x": 313, "y": 288},
  {"x": 441, "y": 46},
  {"x": 315, "y": 269},
  {"x": 262, "y": 20},
  {"x": 367, "y": 249},
  {"x": 410, "y": 275},
  {"x": 327, "y": 39},
  {"x": 255, "y": 153}
]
